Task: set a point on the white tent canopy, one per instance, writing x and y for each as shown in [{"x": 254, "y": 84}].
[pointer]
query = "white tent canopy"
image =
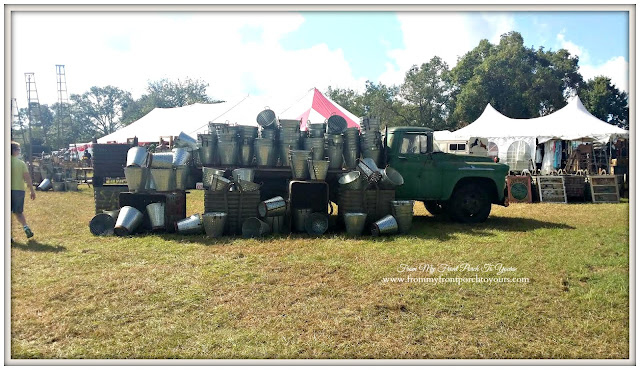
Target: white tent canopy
[
  {"x": 194, "y": 119},
  {"x": 572, "y": 122}
]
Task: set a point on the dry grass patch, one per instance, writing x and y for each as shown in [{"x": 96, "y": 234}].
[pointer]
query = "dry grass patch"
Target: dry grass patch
[{"x": 168, "y": 296}]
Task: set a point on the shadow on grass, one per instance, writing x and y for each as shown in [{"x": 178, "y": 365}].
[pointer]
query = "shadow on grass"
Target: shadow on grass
[
  {"x": 423, "y": 227},
  {"x": 35, "y": 246}
]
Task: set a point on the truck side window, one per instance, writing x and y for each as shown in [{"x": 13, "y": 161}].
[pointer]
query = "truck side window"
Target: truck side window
[{"x": 414, "y": 144}]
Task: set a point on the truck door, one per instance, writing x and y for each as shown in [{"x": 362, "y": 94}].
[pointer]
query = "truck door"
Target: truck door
[{"x": 415, "y": 162}]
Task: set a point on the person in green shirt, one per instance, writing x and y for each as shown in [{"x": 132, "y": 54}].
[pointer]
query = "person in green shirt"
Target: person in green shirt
[{"x": 20, "y": 175}]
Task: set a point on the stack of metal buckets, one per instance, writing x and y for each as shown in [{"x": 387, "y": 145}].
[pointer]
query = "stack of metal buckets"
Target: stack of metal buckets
[
  {"x": 371, "y": 139},
  {"x": 289, "y": 139},
  {"x": 164, "y": 172}
]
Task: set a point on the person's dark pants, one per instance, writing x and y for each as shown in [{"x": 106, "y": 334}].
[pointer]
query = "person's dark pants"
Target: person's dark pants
[{"x": 17, "y": 201}]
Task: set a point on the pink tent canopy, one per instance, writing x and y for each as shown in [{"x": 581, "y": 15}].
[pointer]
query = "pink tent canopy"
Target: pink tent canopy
[{"x": 317, "y": 108}]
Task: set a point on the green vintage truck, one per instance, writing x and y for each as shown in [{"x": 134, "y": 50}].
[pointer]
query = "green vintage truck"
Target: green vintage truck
[{"x": 462, "y": 186}]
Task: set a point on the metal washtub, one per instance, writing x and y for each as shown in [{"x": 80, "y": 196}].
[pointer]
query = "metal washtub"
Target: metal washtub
[{"x": 164, "y": 179}]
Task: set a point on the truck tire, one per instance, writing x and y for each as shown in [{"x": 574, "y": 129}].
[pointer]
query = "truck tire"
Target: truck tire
[
  {"x": 434, "y": 207},
  {"x": 470, "y": 204}
]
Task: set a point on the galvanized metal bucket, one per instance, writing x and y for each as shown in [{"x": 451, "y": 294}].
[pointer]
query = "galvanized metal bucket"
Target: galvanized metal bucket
[
  {"x": 228, "y": 151},
  {"x": 207, "y": 175},
  {"x": 185, "y": 141},
  {"x": 190, "y": 225},
  {"x": 369, "y": 169},
  {"x": 384, "y": 226},
  {"x": 316, "y": 145},
  {"x": 402, "y": 210},
  {"x": 45, "y": 185},
  {"x": 316, "y": 223},
  {"x": 253, "y": 227},
  {"x": 373, "y": 153},
  {"x": 335, "y": 157},
  {"x": 214, "y": 223},
  {"x": 114, "y": 213},
  {"x": 162, "y": 160},
  {"x": 181, "y": 156},
  {"x": 277, "y": 224},
  {"x": 102, "y": 225},
  {"x": 267, "y": 118},
  {"x": 318, "y": 169},
  {"x": 207, "y": 149},
  {"x": 290, "y": 123},
  {"x": 354, "y": 222},
  {"x": 390, "y": 178},
  {"x": 265, "y": 152},
  {"x": 316, "y": 130},
  {"x": 300, "y": 217},
  {"x": 245, "y": 174},
  {"x": 182, "y": 177},
  {"x": 246, "y": 153},
  {"x": 276, "y": 206},
  {"x": 219, "y": 183},
  {"x": 137, "y": 178},
  {"x": 156, "y": 215},
  {"x": 299, "y": 165},
  {"x": 350, "y": 181},
  {"x": 351, "y": 155},
  {"x": 271, "y": 133},
  {"x": 137, "y": 156},
  {"x": 128, "y": 221},
  {"x": 164, "y": 178},
  {"x": 247, "y": 185},
  {"x": 58, "y": 186},
  {"x": 71, "y": 185},
  {"x": 336, "y": 124}
]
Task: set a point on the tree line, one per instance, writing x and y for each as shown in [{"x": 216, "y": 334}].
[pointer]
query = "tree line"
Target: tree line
[
  {"x": 518, "y": 81},
  {"x": 103, "y": 110}
]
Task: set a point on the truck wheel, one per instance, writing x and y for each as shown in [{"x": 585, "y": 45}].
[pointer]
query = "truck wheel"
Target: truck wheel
[
  {"x": 470, "y": 204},
  {"x": 435, "y": 208}
]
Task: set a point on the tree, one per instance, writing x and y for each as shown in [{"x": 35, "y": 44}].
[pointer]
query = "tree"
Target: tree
[
  {"x": 101, "y": 108},
  {"x": 167, "y": 94},
  {"x": 349, "y": 99},
  {"x": 382, "y": 101},
  {"x": 605, "y": 101},
  {"x": 427, "y": 94},
  {"x": 518, "y": 81}
]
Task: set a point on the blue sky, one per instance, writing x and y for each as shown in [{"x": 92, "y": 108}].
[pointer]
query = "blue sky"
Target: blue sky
[{"x": 286, "y": 53}]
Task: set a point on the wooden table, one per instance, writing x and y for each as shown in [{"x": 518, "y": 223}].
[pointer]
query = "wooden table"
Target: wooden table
[{"x": 84, "y": 179}]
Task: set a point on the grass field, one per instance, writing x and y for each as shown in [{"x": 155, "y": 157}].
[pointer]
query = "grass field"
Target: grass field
[{"x": 74, "y": 295}]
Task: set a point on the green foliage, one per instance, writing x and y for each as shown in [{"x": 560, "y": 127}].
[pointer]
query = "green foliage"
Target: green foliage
[
  {"x": 168, "y": 94},
  {"x": 427, "y": 94},
  {"x": 605, "y": 101},
  {"x": 349, "y": 99},
  {"x": 101, "y": 108},
  {"x": 518, "y": 81}
]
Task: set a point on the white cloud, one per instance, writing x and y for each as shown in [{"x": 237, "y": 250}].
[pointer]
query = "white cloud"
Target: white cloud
[
  {"x": 448, "y": 35},
  {"x": 129, "y": 49},
  {"x": 617, "y": 69},
  {"x": 572, "y": 48}
]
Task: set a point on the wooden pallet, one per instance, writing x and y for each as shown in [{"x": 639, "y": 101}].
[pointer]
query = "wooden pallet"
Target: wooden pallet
[
  {"x": 604, "y": 189},
  {"x": 551, "y": 189}
]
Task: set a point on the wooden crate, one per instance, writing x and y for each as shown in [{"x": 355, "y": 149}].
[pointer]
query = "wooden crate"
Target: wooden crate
[
  {"x": 238, "y": 205},
  {"x": 375, "y": 203},
  {"x": 574, "y": 186},
  {"x": 519, "y": 189},
  {"x": 551, "y": 189},
  {"x": 604, "y": 189}
]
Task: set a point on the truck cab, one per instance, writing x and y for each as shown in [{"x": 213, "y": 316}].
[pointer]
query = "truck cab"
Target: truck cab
[{"x": 463, "y": 186}]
